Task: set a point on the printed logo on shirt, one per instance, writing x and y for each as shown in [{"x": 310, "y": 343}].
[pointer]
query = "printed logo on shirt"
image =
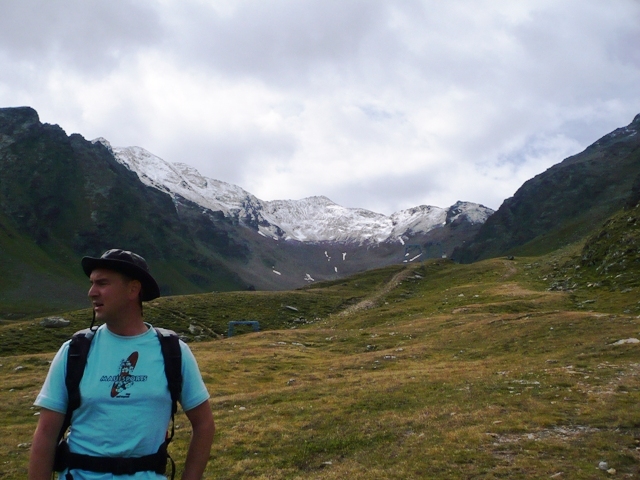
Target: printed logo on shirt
[{"x": 125, "y": 379}]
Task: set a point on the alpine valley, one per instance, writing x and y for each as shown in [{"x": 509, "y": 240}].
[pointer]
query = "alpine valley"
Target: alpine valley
[{"x": 63, "y": 197}]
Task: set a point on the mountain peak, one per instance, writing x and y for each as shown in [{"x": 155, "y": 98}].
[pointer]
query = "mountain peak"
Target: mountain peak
[
  {"x": 25, "y": 113},
  {"x": 474, "y": 213},
  {"x": 18, "y": 119},
  {"x": 103, "y": 141}
]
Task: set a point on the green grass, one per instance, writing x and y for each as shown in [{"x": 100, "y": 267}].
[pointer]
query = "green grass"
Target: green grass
[{"x": 434, "y": 370}]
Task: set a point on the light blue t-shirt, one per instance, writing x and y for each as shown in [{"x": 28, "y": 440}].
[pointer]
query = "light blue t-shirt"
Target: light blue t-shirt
[{"x": 126, "y": 405}]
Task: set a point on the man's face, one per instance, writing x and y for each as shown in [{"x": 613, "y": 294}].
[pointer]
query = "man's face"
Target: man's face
[{"x": 110, "y": 293}]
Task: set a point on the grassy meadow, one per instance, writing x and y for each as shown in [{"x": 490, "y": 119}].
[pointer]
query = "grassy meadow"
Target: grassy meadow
[{"x": 499, "y": 369}]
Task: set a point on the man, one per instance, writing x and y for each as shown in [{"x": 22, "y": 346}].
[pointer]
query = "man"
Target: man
[{"x": 126, "y": 405}]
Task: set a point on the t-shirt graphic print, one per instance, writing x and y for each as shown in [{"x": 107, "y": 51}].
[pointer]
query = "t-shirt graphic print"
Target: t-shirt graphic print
[{"x": 125, "y": 379}]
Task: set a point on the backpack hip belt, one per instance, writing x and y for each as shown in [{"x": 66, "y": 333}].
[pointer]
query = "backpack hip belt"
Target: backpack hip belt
[{"x": 156, "y": 462}]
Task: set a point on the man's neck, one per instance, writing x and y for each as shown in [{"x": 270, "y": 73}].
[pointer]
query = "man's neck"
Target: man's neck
[{"x": 128, "y": 326}]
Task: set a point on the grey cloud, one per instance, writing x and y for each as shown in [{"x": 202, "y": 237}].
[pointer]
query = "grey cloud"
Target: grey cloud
[
  {"x": 395, "y": 191},
  {"x": 90, "y": 36},
  {"x": 233, "y": 157},
  {"x": 282, "y": 41},
  {"x": 486, "y": 85}
]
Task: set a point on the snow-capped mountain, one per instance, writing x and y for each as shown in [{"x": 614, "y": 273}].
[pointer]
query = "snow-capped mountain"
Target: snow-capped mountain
[{"x": 313, "y": 219}]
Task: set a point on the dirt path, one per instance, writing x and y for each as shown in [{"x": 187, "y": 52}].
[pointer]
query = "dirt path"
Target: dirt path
[{"x": 372, "y": 301}]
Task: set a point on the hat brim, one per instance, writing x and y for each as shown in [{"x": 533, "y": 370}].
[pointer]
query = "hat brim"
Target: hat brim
[{"x": 150, "y": 288}]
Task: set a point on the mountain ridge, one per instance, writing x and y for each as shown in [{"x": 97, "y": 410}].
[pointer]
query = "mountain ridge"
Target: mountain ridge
[
  {"x": 311, "y": 219},
  {"x": 565, "y": 203}
]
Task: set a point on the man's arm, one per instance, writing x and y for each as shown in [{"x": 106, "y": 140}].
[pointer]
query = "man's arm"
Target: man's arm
[
  {"x": 43, "y": 447},
  {"x": 203, "y": 428}
]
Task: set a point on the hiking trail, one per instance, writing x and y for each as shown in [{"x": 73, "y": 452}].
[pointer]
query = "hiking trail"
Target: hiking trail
[{"x": 372, "y": 300}]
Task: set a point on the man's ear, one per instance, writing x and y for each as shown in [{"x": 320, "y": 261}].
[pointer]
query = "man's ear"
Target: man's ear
[{"x": 134, "y": 289}]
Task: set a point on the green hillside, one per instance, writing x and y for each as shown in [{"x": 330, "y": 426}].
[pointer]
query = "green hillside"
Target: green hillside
[
  {"x": 517, "y": 368},
  {"x": 31, "y": 282},
  {"x": 565, "y": 203},
  {"x": 63, "y": 197}
]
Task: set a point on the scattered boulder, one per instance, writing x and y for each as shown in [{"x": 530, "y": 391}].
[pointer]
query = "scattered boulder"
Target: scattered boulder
[
  {"x": 54, "y": 322},
  {"x": 194, "y": 329},
  {"x": 626, "y": 340}
]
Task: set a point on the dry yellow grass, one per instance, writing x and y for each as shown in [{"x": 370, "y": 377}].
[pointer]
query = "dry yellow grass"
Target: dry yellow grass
[{"x": 449, "y": 372}]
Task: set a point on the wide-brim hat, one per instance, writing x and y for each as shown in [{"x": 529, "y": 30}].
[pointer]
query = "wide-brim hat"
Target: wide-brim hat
[{"x": 128, "y": 263}]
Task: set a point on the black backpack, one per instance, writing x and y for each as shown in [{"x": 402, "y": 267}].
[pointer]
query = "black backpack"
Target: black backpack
[{"x": 76, "y": 362}]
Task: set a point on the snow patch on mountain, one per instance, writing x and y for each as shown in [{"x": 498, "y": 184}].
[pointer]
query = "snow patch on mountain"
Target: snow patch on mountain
[
  {"x": 313, "y": 219},
  {"x": 317, "y": 219},
  {"x": 417, "y": 219}
]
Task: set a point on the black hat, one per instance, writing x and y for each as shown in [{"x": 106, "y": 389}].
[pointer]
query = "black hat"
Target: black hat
[{"x": 128, "y": 263}]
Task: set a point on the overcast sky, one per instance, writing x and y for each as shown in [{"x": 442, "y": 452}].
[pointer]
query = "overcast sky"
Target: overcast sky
[{"x": 382, "y": 105}]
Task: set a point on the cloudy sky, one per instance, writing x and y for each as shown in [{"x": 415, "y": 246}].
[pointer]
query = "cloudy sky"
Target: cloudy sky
[{"x": 382, "y": 105}]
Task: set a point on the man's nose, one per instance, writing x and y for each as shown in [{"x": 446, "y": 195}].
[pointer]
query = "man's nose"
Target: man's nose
[{"x": 92, "y": 291}]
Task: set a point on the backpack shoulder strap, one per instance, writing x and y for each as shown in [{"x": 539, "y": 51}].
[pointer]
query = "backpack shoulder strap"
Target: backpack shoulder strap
[
  {"x": 76, "y": 362},
  {"x": 172, "y": 355}
]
